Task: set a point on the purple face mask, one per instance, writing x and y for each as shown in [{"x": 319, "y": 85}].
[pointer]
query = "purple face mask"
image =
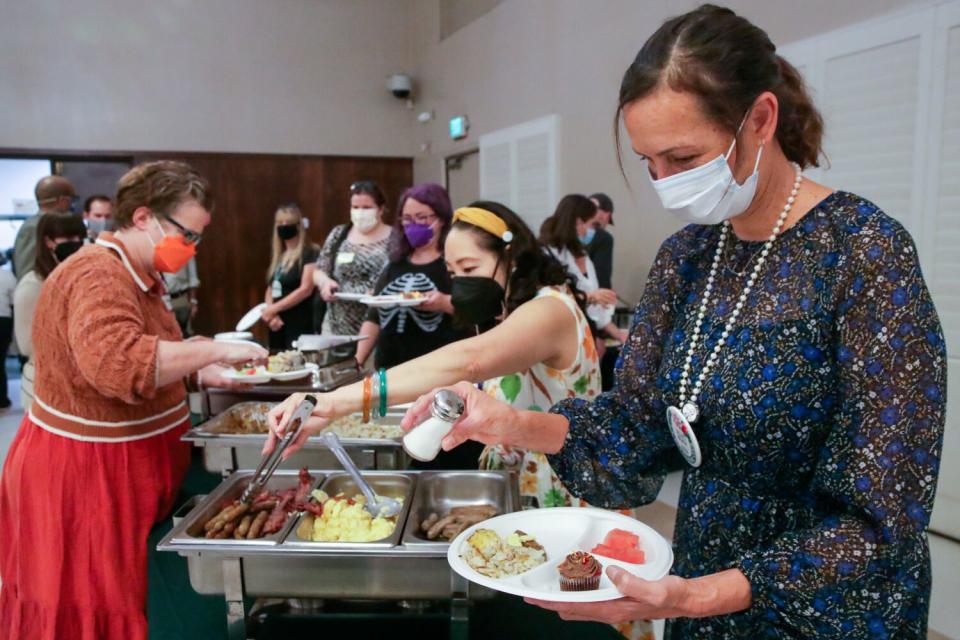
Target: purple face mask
[{"x": 418, "y": 235}]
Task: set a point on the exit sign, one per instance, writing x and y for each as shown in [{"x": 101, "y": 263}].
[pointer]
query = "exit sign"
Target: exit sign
[{"x": 459, "y": 126}]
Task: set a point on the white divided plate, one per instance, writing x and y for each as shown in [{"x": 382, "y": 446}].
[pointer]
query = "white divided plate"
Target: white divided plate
[
  {"x": 251, "y": 317},
  {"x": 350, "y": 297},
  {"x": 293, "y": 375},
  {"x": 262, "y": 376},
  {"x": 563, "y": 530},
  {"x": 391, "y": 301}
]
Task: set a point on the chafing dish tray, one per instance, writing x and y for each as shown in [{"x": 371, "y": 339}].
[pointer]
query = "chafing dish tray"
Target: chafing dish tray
[
  {"x": 440, "y": 491},
  {"x": 299, "y": 568},
  {"x": 225, "y": 451},
  {"x": 190, "y": 528}
]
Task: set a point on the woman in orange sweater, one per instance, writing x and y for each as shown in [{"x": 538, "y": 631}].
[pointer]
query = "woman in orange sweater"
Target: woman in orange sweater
[{"x": 98, "y": 459}]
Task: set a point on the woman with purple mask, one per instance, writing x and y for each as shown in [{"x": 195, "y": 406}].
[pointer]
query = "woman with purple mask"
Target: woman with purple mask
[{"x": 416, "y": 266}]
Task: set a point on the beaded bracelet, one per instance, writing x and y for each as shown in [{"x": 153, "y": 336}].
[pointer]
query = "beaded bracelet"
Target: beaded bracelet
[{"x": 383, "y": 391}]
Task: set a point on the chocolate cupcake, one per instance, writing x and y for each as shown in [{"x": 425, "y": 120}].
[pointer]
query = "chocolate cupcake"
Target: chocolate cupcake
[{"x": 580, "y": 571}]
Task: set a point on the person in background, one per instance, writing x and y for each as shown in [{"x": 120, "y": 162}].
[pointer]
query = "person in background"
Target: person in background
[
  {"x": 600, "y": 250},
  {"x": 352, "y": 259},
  {"x": 289, "y": 312},
  {"x": 182, "y": 288},
  {"x": 537, "y": 348},
  {"x": 98, "y": 459},
  {"x": 565, "y": 235},
  {"x": 600, "y": 247},
  {"x": 59, "y": 236},
  {"x": 416, "y": 266},
  {"x": 55, "y": 194},
  {"x": 98, "y": 215},
  {"x": 8, "y": 282}
]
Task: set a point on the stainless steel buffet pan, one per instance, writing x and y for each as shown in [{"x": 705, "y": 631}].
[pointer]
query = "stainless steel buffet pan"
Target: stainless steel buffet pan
[
  {"x": 322, "y": 381},
  {"x": 339, "y": 570},
  {"x": 439, "y": 491},
  {"x": 391, "y": 485},
  {"x": 190, "y": 528},
  {"x": 224, "y": 452}
]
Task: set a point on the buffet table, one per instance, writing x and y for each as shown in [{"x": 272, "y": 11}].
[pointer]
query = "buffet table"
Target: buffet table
[{"x": 288, "y": 564}]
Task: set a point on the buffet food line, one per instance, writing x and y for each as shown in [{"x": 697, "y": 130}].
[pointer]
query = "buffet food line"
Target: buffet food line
[{"x": 306, "y": 534}]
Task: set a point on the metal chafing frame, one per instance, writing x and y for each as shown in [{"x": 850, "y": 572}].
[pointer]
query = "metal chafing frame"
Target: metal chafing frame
[{"x": 400, "y": 571}]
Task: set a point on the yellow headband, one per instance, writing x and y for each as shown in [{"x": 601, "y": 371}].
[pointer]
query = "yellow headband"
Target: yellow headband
[{"x": 486, "y": 220}]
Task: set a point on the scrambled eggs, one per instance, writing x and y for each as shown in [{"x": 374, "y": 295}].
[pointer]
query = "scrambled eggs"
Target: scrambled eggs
[{"x": 345, "y": 520}]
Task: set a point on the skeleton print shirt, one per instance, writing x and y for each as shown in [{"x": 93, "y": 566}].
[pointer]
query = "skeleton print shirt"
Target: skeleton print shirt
[{"x": 408, "y": 332}]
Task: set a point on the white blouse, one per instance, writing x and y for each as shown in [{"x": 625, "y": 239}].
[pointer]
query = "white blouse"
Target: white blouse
[{"x": 602, "y": 315}]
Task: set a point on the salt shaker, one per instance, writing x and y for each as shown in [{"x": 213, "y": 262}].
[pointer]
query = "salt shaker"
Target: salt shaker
[{"x": 423, "y": 441}]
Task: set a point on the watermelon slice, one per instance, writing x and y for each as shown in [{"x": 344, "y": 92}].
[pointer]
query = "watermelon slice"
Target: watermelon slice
[
  {"x": 620, "y": 539},
  {"x": 621, "y": 545}
]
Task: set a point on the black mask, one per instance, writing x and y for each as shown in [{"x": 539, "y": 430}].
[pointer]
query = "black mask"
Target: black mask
[
  {"x": 476, "y": 300},
  {"x": 287, "y": 231},
  {"x": 66, "y": 249}
]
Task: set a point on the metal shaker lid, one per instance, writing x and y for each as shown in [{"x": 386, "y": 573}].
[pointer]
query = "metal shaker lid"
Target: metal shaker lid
[{"x": 447, "y": 405}]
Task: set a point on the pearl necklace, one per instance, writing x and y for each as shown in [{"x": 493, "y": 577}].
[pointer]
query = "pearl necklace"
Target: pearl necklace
[{"x": 690, "y": 411}]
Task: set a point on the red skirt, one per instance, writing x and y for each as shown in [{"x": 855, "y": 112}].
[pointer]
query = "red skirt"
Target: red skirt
[{"x": 74, "y": 520}]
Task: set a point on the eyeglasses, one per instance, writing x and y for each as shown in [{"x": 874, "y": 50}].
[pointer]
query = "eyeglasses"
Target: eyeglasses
[
  {"x": 425, "y": 218},
  {"x": 192, "y": 237}
]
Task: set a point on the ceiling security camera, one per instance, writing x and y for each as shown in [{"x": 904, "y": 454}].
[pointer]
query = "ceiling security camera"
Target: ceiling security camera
[{"x": 400, "y": 85}]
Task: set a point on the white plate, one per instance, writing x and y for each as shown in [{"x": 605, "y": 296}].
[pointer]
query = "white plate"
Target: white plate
[
  {"x": 262, "y": 376},
  {"x": 234, "y": 336},
  {"x": 391, "y": 301},
  {"x": 563, "y": 530},
  {"x": 293, "y": 375},
  {"x": 350, "y": 297},
  {"x": 251, "y": 317}
]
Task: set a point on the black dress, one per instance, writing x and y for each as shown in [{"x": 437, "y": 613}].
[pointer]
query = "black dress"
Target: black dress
[
  {"x": 821, "y": 425},
  {"x": 298, "y": 319}
]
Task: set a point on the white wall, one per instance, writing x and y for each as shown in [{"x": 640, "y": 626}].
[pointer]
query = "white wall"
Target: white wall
[
  {"x": 529, "y": 58},
  {"x": 289, "y": 76}
]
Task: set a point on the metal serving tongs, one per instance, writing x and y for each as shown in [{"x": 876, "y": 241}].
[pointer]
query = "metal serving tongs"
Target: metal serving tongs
[
  {"x": 269, "y": 463},
  {"x": 376, "y": 505}
]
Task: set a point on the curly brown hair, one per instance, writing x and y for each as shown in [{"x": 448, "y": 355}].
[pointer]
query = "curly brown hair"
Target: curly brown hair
[{"x": 160, "y": 186}]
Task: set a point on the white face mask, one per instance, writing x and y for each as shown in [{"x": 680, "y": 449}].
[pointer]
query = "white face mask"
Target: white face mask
[
  {"x": 364, "y": 219},
  {"x": 708, "y": 194}
]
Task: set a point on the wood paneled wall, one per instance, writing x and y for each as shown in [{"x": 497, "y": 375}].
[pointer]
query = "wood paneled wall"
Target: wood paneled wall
[{"x": 232, "y": 260}]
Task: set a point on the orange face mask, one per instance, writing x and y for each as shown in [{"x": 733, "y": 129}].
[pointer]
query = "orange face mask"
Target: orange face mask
[{"x": 172, "y": 253}]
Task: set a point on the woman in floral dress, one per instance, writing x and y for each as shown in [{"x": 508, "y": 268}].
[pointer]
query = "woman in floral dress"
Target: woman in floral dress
[{"x": 810, "y": 427}]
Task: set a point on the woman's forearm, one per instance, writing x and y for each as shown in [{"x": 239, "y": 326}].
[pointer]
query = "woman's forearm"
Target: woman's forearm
[
  {"x": 177, "y": 360},
  {"x": 716, "y": 594},
  {"x": 292, "y": 299},
  {"x": 537, "y": 431},
  {"x": 371, "y": 331},
  {"x": 408, "y": 381}
]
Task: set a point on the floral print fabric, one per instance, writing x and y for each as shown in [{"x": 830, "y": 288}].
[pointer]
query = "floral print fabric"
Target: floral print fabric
[{"x": 821, "y": 425}]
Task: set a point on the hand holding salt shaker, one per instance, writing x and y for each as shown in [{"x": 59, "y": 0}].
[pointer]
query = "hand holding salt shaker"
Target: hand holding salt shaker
[{"x": 423, "y": 441}]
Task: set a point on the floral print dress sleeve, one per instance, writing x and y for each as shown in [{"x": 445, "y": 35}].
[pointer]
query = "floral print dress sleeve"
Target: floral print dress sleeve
[{"x": 618, "y": 450}]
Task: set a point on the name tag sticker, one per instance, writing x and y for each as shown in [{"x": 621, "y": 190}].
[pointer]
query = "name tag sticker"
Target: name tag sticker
[
  {"x": 276, "y": 290},
  {"x": 345, "y": 257}
]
